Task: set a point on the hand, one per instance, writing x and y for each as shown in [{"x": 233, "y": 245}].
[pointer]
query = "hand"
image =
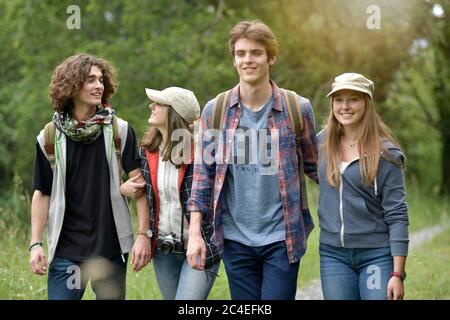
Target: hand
[
  {"x": 140, "y": 254},
  {"x": 395, "y": 290},
  {"x": 38, "y": 262},
  {"x": 196, "y": 252},
  {"x": 133, "y": 187}
]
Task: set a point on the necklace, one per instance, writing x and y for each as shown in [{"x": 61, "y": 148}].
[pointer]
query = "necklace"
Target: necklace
[{"x": 345, "y": 143}]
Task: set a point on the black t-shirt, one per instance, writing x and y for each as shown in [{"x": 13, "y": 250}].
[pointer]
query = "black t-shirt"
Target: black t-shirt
[{"x": 88, "y": 228}]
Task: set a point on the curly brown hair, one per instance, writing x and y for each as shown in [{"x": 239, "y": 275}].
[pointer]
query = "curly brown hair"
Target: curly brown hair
[{"x": 70, "y": 76}]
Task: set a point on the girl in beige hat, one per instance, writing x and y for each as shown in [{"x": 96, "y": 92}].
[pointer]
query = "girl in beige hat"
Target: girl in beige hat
[
  {"x": 167, "y": 170},
  {"x": 362, "y": 209}
]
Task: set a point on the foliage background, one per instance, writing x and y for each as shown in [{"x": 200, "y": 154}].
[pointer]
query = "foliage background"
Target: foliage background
[{"x": 160, "y": 43}]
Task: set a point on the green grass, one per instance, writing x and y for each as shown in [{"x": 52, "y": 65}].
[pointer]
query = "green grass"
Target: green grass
[
  {"x": 309, "y": 264},
  {"x": 428, "y": 277},
  {"x": 16, "y": 280},
  {"x": 426, "y": 210}
]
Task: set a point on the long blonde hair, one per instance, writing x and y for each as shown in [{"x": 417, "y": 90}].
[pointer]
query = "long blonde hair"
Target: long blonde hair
[{"x": 370, "y": 144}]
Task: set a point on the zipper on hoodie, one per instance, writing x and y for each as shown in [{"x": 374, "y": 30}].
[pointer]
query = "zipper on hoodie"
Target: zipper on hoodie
[
  {"x": 341, "y": 203},
  {"x": 341, "y": 210}
]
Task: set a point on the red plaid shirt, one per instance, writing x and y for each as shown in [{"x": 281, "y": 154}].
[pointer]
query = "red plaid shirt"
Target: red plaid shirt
[{"x": 209, "y": 178}]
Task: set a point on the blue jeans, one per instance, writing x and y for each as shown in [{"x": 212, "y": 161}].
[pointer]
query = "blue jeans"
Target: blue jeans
[
  {"x": 177, "y": 280},
  {"x": 355, "y": 274},
  {"x": 67, "y": 279},
  {"x": 260, "y": 273}
]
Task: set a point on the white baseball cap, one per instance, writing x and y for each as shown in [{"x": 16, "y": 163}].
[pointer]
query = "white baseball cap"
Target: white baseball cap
[{"x": 183, "y": 101}]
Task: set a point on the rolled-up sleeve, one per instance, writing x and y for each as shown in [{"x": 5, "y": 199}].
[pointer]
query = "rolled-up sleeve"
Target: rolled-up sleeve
[{"x": 204, "y": 173}]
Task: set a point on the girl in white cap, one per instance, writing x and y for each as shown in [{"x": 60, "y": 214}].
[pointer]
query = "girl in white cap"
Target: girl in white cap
[
  {"x": 362, "y": 207},
  {"x": 167, "y": 168}
]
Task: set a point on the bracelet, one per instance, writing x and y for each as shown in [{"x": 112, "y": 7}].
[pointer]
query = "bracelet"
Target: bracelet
[
  {"x": 401, "y": 275},
  {"x": 36, "y": 244},
  {"x": 143, "y": 234}
]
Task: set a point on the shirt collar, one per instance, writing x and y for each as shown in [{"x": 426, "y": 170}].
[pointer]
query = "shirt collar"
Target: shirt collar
[{"x": 234, "y": 98}]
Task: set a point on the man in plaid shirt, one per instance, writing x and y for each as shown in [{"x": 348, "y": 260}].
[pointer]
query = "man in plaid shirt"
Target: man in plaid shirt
[{"x": 261, "y": 226}]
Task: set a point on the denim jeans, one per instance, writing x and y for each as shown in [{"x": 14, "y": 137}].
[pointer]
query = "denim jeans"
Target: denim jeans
[
  {"x": 178, "y": 281},
  {"x": 355, "y": 274},
  {"x": 260, "y": 273},
  {"x": 67, "y": 279}
]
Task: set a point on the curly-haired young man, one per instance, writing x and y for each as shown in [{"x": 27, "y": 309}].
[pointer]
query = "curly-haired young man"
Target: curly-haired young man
[{"x": 89, "y": 229}]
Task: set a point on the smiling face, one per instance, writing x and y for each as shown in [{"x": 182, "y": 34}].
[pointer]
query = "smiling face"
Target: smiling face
[
  {"x": 251, "y": 61},
  {"x": 92, "y": 90},
  {"x": 349, "y": 107},
  {"x": 159, "y": 115}
]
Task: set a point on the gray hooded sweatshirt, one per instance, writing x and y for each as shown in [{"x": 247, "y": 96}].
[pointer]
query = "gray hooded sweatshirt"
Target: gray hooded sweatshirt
[{"x": 355, "y": 216}]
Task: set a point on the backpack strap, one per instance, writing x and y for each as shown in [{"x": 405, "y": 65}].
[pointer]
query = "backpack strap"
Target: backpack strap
[
  {"x": 294, "y": 111},
  {"x": 295, "y": 116},
  {"x": 49, "y": 142},
  {"x": 117, "y": 144},
  {"x": 219, "y": 109}
]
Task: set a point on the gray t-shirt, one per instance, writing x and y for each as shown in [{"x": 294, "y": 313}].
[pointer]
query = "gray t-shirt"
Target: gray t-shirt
[{"x": 251, "y": 205}]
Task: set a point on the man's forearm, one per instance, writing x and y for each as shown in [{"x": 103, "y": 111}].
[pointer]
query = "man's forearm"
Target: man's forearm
[
  {"x": 195, "y": 224},
  {"x": 143, "y": 212},
  {"x": 142, "y": 206},
  {"x": 39, "y": 214}
]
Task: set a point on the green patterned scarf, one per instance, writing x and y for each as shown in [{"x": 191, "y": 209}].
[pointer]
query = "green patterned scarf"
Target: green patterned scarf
[{"x": 84, "y": 131}]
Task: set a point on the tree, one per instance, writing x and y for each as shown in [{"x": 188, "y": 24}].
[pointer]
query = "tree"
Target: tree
[
  {"x": 162, "y": 43},
  {"x": 153, "y": 44},
  {"x": 423, "y": 88},
  {"x": 441, "y": 42}
]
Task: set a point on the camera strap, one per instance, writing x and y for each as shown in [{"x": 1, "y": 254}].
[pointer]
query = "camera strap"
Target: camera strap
[{"x": 182, "y": 226}]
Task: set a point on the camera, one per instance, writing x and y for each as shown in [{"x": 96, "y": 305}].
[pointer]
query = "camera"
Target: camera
[{"x": 168, "y": 243}]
